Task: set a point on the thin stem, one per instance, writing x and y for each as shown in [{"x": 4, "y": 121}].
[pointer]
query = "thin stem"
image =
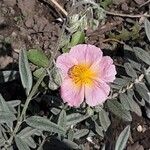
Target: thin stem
[
  {"x": 130, "y": 86},
  {"x": 126, "y": 15},
  {"x": 29, "y": 98},
  {"x": 145, "y": 3},
  {"x": 42, "y": 143},
  {"x": 59, "y": 7}
]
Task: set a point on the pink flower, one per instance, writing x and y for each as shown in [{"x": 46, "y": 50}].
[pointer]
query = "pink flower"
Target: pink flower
[{"x": 86, "y": 74}]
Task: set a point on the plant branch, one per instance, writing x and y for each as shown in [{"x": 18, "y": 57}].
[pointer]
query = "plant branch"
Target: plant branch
[
  {"x": 126, "y": 15},
  {"x": 145, "y": 3},
  {"x": 139, "y": 79},
  {"x": 59, "y": 7},
  {"x": 29, "y": 98}
]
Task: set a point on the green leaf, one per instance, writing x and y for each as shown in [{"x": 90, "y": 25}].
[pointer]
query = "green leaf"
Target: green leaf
[
  {"x": 6, "y": 117},
  {"x": 116, "y": 108},
  {"x": 25, "y": 72},
  {"x": 77, "y": 38},
  {"x": 5, "y": 113},
  {"x": 104, "y": 119},
  {"x": 55, "y": 79},
  {"x": 27, "y": 132},
  {"x": 75, "y": 118},
  {"x": 142, "y": 55},
  {"x": 81, "y": 133},
  {"x": 132, "y": 105},
  {"x": 21, "y": 144},
  {"x": 44, "y": 125},
  {"x": 98, "y": 129},
  {"x": 37, "y": 73},
  {"x": 62, "y": 120},
  {"x": 143, "y": 91},
  {"x": 147, "y": 28},
  {"x": 38, "y": 57},
  {"x": 30, "y": 142},
  {"x": 70, "y": 134},
  {"x": 130, "y": 71},
  {"x": 122, "y": 139}
]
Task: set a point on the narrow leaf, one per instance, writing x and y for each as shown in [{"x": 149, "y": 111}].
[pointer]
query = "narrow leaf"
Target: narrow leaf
[
  {"x": 130, "y": 71},
  {"x": 143, "y": 91},
  {"x": 44, "y": 124},
  {"x": 75, "y": 118},
  {"x": 142, "y": 54},
  {"x": 116, "y": 108},
  {"x": 24, "y": 70},
  {"x": 62, "y": 120},
  {"x": 147, "y": 28},
  {"x": 21, "y": 144},
  {"x": 80, "y": 133},
  {"x": 104, "y": 119},
  {"x": 122, "y": 139},
  {"x": 130, "y": 103}
]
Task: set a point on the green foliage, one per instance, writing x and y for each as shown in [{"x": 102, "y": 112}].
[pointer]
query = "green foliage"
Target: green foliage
[
  {"x": 125, "y": 34},
  {"x": 38, "y": 58},
  {"x": 105, "y": 3},
  {"x": 122, "y": 139},
  {"x": 147, "y": 28},
  {"x": 77, "y": 38},
  {"x": 24, "y": 70},
  {"x": 55, "y": 79},
  {"x": 118, "y": 109},
  {"x": 44, "y": 124}
]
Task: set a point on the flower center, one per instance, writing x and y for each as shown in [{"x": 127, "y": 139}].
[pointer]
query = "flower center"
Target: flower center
[{"x": 81, "y": 74}]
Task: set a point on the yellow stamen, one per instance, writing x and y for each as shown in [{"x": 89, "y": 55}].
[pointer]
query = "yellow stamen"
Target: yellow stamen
[{"x": 82, "y": 74}]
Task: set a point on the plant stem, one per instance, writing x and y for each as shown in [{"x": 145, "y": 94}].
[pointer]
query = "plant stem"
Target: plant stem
[
  {"x": 29, "y": 98},
  {"x": 59, "y": 7},
  {"x": 139, "y": 79}
]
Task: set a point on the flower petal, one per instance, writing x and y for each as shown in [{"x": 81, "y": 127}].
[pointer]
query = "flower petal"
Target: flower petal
[
  {"x": 108, "y": 70},
  {"x": 72, "y": 94},
  {"x": 65, "y": 62},
  {"x": 97, "y": 93},
  {"x": 86, "y": 53}
]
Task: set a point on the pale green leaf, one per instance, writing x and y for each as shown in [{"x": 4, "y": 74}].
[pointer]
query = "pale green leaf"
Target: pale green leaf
[
  {"x": 25, "y": 72},
  {"x": 44, "y": 124},
  {"x": 104, "y": 119},
  {"x": 147, "y": 28},
  {"x": 81, "y": 133},
  {"x": 116, "y": 108},
  {"x": 122, "y": 139},
  {"x": 142, "y": 54},
  {"x": 21, "y": 144}
]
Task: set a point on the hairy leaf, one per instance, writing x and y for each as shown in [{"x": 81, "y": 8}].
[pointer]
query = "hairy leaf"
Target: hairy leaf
[
  {"x": 21, "y": 144},
  {"x": 122, "y": 139},
  {"x": 116, "y": 108},
  {"x": 147, "y": 28},
  {"x": 142, "y": 54},
  {"x": 44, "y": 124},
  {"x": 80, "y": 133},
  {"x": 104, "y": 119},
  {"x": 38, "y": 58},
  {"x": 25, "y": 72},
  {"x": 75, "y": 118}
]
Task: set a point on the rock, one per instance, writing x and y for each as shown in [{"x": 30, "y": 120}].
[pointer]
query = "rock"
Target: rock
[
  {"x": 29, "y": 22},
  {"x": 4, "y": 61}
]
